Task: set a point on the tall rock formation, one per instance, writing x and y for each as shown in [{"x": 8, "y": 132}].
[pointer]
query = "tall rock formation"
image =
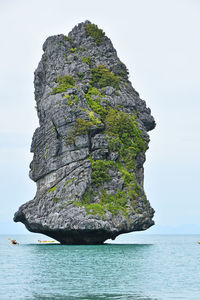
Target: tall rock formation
[{"x": 90, "y": 147}]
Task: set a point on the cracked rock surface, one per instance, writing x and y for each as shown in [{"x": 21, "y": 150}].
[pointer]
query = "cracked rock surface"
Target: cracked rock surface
[{"x": 89, "y": 149}]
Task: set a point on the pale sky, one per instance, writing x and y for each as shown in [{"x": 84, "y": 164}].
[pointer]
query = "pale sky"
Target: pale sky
[{"x": 158, "y": 40}]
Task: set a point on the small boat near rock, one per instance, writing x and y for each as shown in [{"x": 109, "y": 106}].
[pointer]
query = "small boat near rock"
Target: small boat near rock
[
  {"x": 43, "y": 242},
  {"x": 13, "y": 242}
]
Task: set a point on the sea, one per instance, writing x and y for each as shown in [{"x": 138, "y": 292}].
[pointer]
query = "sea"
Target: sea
[{"x": 138, "y": 267}]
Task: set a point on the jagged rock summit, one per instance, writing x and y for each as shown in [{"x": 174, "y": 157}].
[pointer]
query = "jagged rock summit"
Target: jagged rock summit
[{"x": 90, "y": 147}]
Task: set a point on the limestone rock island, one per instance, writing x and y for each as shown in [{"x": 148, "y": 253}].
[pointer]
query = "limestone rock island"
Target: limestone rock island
[{"x": 90, "y": 147}]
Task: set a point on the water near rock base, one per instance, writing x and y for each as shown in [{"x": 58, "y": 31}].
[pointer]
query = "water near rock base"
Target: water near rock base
[{"x": 151, "y": 267}]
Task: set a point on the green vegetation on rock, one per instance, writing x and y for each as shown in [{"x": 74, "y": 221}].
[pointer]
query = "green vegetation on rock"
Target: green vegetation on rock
[
  {"x": 71, "y": 99},
  {"x": 55, "y": 200},
  {"x": 113, "y": 203},
  {"x": 82, "y": 49},
  {"x": 100, "y": 171},
  {"x": 65, "y": 82},
  {"x": 124, "y": 136},
  {"x": 102, "y": 77},
  {"x": 53, "y": 189},
  {"x": 69, "y": 181},
  {"x": 53, "y": 129},
  {"x": 80, "y": 75},
  {"x": 87, "y": 60},
  {"x": 122, "y": 201},
  {"x": 73, "y": 50},
  {"x": 122, "y": 130},
  {"x": 94, "y": 98},
  {"x": 45, "y": 151},
  {"x": 81, "y": 127},
  {"x": 67, "y": 39},
  {"x": 96, "y": 33}
]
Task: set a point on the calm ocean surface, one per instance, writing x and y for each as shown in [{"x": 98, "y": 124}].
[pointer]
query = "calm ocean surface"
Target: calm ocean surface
[{"x": 148, "y": 267}]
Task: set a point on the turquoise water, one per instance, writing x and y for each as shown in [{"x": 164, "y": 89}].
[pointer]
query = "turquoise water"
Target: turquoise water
[{"x": 149, "y": 267}]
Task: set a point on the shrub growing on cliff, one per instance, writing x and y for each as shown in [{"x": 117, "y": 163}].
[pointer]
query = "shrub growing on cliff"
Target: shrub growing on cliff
[
  {"x": 94, "y": 98},
  {"x": 102, "y": 77},
  {"x": 124, "y": 135},
  {"x": 81, "y": 127},
  {"x": 100, "y": 171},
  {"x": 96, "y": 33},
  {"x": 65, "y": 82}
]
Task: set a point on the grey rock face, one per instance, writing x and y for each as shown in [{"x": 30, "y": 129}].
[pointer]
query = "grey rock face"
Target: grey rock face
[{"x": 90, "y": 147}]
